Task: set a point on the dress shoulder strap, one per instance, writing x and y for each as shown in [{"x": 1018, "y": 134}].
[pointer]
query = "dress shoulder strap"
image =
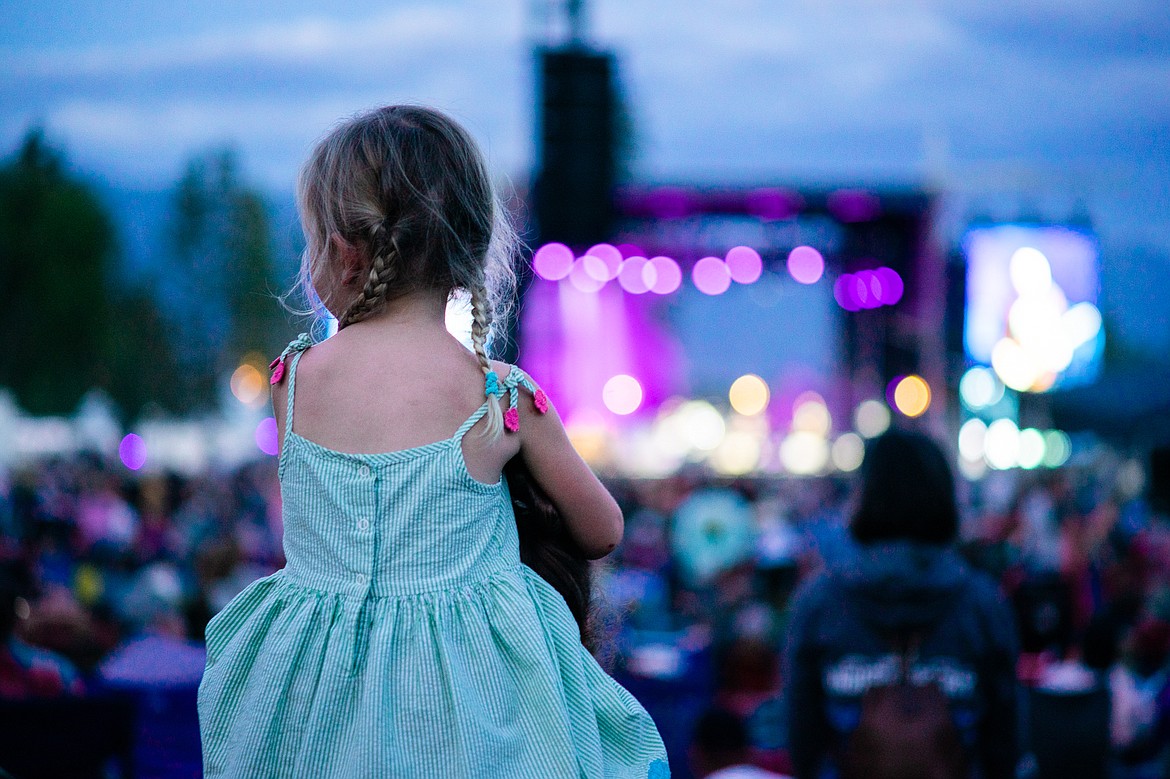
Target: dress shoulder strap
[
  {"x": 511, "y": 384},
  {"x": 469, "y": 423},
  {"x": 291, "y": 355}
]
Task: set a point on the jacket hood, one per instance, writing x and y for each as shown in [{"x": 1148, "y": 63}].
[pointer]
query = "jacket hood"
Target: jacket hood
[{"x": 902, "y": 584}]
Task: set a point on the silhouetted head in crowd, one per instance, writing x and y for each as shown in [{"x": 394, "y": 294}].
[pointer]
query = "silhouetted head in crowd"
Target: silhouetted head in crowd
[
  {"x": 720, "y": 741},
  {"x": 907, "y": 492}
]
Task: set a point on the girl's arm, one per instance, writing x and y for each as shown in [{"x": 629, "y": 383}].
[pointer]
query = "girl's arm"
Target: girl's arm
[{"x": 590, "y": 512}]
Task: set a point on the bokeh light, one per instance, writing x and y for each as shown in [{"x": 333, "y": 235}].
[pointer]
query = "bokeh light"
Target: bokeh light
[
  {"x": 247, "y": 384},
  {"x": 702, "y": 424},
  {"x": 979, "y": 388},
  {"x": 711, "y": 276},
  {"x": 744, "y": 264},
  {"x": 1002, "y": 444},
  {"x": 589, "y": 436},
  {"x": 804, "y": 453},
  {"x": 972, "y": 439},
  {"x": 622, "y": 394},
  {"x": 848, "y": 452},
  {"x": 806, "y": 265},
  {"x": 811, "y": 415},
  {"x": 1031, "y": 448},
  {"x": 868, "y": 289},
  {"x": 633, "y": 276},
  {"x": 553, "y": 261},
  {"x": 1030, "y": 272},
  {"x": 1057, "y": 448},
  {"x": 872, "y": 418},
  {"x": 843, "y": 292},
  {"x": 587, "y": 274},
  {"x": 266, "y": 436},
  {"x": 611, "y": 261},
  {"x": 749, "y": 395},
  {"x": 912, "y": 396},
  {"x": 737, "y": 454},
  {"x": 667, "y": 276},
  {"x": 892, "y": 286},
  {"x": 132, "y": 451}
]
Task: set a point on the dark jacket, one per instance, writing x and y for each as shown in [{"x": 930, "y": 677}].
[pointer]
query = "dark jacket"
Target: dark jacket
[{"x": 840, "y": 636}]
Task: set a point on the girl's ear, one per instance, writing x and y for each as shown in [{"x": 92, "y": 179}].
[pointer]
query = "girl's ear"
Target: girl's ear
[{"x": 350, "y": 257}]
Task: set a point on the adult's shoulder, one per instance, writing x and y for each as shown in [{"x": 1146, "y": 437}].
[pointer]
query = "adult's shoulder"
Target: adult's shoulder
[{"x": 992, "y": 606}]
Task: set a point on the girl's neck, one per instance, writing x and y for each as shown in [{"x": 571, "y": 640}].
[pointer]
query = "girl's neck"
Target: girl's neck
[{"x": 422, "y": 309}]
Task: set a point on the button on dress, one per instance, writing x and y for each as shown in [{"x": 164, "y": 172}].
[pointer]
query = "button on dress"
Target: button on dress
[{"x": 404, "y": 637}]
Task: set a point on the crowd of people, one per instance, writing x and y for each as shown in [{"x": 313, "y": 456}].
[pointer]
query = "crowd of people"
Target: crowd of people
[{"x": 709, "y": 611}]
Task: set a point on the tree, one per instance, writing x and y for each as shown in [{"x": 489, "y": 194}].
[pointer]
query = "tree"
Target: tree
[
  {"x": 221, "y": 279},
  {"x": 57, "y": 247}
]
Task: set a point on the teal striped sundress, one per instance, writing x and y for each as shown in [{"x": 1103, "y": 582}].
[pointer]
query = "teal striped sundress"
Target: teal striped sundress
[{"x": 404, "y": 637}]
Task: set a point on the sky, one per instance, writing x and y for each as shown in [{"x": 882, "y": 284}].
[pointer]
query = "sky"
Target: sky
[{"x": 1049, "y": 107}]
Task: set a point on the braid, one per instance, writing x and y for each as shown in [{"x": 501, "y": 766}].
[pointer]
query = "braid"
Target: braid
[
  {"x": 382, "y": 272},
  {"x": 480, "y": 327}
]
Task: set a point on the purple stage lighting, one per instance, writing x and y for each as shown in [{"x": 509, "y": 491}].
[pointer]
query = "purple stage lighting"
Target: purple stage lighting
[
  {"x": 266, "y": 436},
  {"x": 553, "y": 261},
  {"x": 637, "y": 275},
  {"x": 745, "y": 264},
  {"x": 772, "y": 203},
  {"x": 806, "y": 264},
  {"x": 711, "y": 276},
  {"x": 891, "y": 285},
  {"x": 611, "y": 259},
  {"x": 853, "y": 205},
  {"x": 588, "y": 274},
  {"x": 667, "y": 275},
  {"x": 132, "y": 451}
]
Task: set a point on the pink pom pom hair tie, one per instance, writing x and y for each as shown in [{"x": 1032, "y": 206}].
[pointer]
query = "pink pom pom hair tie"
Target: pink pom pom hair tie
[
  {"x": 298, "y": 344},
  {"x": 517, "y": 378}
]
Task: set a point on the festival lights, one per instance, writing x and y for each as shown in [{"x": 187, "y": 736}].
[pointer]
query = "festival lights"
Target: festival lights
[
  {"x": 806, "y": 265},
  {"x": 610, "y": 262},
  {"x": 711, "y": 276},
  {"x": 667, "y": 276},
  {"x": 749, "y": 395},
  {"x": 868, "y": 289},
  {"x": 979, "y": 388},
  {"x": 871, "y": 418},
  {"x": 804, "y": 453},
  {"x": 744, "y": 264},
  {"x": 553, "y": 261},
  {"x": 637, "y": 275},
  {"x": 266, "y": 436},
  {"x": 1043, "y": 331},
  {"x": 848, "y": 452},
  {"x": 911, "y": 395},
  {"x": 622, "y": 394},
  {"x": 247, "y": 384},
  {"x": 132, "y": 451}
]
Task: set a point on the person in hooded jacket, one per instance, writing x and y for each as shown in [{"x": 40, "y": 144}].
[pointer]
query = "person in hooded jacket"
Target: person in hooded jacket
[{"x": 905, "y": 582}]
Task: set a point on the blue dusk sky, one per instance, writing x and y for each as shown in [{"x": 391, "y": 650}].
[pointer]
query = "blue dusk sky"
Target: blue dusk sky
[{"x": 1046, "y": 108}]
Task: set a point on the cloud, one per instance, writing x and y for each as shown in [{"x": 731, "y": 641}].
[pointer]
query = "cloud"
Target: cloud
[
  {"x": 737, "y": 88},
  {"x": 272, "y": 89}
]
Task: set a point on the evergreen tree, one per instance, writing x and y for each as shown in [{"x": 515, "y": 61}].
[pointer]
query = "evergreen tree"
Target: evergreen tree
[
  {"x": 221, "y": 274},
  {"x": 57, "y": 249}
]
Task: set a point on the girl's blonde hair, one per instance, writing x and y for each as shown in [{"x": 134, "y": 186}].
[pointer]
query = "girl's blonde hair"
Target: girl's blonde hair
[{"x": 409, "y": 186}]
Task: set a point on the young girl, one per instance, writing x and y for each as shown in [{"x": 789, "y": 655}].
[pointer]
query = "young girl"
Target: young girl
[{"x": 404, "y": 637}]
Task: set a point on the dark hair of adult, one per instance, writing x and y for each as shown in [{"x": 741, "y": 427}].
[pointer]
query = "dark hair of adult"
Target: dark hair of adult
[
  {"x": 907, "y": 492},
  {"x": 547, "y": 548},
  {"x": 721, "y": 737}
]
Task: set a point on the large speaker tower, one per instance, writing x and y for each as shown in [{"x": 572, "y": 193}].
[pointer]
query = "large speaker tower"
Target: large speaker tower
[{"x": 574, "y": 185}]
